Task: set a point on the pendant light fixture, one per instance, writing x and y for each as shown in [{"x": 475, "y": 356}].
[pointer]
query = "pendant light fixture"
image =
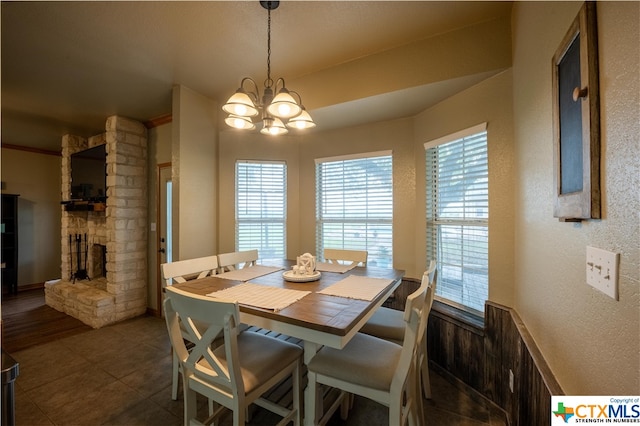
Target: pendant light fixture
[{"x": 246, "y": 103}]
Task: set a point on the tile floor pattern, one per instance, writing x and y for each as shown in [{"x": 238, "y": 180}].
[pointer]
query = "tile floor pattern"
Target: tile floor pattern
[{"x": 121, "y": 375}]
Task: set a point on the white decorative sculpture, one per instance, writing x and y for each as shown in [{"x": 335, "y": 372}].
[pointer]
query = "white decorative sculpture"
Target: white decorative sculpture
[{"x": 306, "y": 264}]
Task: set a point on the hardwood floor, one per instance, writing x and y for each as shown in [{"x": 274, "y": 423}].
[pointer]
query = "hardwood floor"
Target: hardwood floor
[{"x": 27, "y": 321}]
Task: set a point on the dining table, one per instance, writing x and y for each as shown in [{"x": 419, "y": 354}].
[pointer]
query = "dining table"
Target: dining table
[{"x": 318, "y": 311}]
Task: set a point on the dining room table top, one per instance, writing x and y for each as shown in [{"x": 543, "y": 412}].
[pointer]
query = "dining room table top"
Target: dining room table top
[{"x": 316, "y": 311}]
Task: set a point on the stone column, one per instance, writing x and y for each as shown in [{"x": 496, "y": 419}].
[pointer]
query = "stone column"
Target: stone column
[{"x": 126, "y": 215}]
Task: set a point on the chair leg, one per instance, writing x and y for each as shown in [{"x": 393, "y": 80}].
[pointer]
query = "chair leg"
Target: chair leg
[
  {"x": 296, "y": 394},
  {"x": 190, "y": 405},
  {"x": 424, "y": 373},
  {"x": 345, "y": 406},
  {"x": 418, "y": 405},
  {"x": 175, "y": 376}
]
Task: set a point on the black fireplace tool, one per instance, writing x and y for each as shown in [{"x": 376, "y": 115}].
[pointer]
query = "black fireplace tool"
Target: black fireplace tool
[{"x": 81, "y": 274}]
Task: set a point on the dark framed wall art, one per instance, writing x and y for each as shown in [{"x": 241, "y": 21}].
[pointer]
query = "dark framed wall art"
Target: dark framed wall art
[{"x": 576, "y": 120}]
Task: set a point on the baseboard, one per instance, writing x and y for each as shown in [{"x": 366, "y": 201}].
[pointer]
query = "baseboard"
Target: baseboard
[{"x": 34, "y": 286}]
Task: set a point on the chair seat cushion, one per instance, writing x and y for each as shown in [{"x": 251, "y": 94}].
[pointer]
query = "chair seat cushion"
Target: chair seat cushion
[
  {"x": 352, "y": 364},
  {"x": 387, "y": 324},
  {"x": 261, "y": 357}
]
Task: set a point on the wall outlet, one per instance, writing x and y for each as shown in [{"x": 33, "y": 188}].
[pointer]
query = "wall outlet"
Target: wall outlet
[
  {"x": 511, "y": 380},
  {"x": 602, "y": 271}
]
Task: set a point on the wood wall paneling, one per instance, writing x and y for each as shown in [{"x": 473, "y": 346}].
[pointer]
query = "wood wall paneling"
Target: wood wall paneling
[{"x": 481, "y": 357}]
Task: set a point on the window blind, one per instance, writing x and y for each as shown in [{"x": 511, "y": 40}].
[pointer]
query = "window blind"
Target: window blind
[
  {"x": 457, "y": 222},
  {"x": 354, "y": 205},
  {"x": 261, "y": 206}
]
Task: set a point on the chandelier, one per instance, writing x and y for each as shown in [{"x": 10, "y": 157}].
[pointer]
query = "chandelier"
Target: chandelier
[{"x": 246, "y": 103}]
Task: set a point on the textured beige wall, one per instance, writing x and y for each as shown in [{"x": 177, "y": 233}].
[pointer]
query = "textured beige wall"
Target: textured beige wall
[
  {"x": 194, "y": 173},
  {"x": 490, "y": 102},
  {"x": 36, "y": 177},
  {"x": 590, "y": 340}
]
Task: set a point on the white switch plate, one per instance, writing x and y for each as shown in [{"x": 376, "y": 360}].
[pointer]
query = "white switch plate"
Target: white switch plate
[{"x": 602, "y": 271}]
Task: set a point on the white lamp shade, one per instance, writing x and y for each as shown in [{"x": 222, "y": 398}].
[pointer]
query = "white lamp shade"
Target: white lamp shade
[
  {"x": 273, "y": 127},
  {"x": 238, "y": 122},
  {"x": 301, "y": 121},
  {"x": 284, "y": 106},
  {"x": 240, "y": 104}
]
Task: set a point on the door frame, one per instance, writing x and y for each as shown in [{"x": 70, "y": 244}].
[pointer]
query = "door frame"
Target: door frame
[{"x": 159, "y": 281}]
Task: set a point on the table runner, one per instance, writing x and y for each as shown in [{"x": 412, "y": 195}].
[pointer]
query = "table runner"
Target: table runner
[
  {"x": 357, "y": 287},
  {"x": 332, "y": 267},
  {"x": 249, "y": 273},
  {"x": 260, "y": 296}
]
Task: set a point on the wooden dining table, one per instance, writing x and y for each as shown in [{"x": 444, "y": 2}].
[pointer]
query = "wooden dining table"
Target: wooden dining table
[{"x": 317, "y": 319}]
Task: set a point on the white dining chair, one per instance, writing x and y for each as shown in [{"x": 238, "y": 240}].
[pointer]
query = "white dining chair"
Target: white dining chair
[
  {"x": 237, "y": 260},
  {"x": 347, "y": 257},
  {"x": 374, "y": 368},
  {"x": 179, "y": 272},
  {"x": 388, "y": 324},
  {"x": 235, "y": 374}
]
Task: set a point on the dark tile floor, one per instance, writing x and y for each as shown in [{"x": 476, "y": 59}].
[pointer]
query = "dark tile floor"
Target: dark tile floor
[{"x": 121, "y": 375}]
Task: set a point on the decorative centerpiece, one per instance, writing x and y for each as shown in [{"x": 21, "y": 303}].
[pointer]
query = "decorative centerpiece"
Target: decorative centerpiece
[{"x": 304, "y": 270}]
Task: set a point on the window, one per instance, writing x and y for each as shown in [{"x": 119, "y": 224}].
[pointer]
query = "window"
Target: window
[
  {"x": 457, "y": 186},
  {"x": 261, "y": 206},
  {"x": 354, "y": 205}
]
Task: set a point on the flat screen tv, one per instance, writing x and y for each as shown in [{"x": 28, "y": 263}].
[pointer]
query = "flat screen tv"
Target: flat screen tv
[{"x": 89, "y": 174}]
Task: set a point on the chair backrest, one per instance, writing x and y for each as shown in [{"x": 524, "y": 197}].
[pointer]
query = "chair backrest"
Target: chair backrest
[
  {"x": 348, "y": 257},
  {"x": 431, "y": 269},
  {"x": 182, "y": 311},
  {"x": 237, "y": 260},
  {"x": 181, "y": 270},
  {"x": 413, "y": 318},
  {"x": 428, "y": 303}
]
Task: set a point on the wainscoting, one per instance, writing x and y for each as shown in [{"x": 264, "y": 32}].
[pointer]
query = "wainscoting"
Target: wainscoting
[{"x": 481, "y": 357}]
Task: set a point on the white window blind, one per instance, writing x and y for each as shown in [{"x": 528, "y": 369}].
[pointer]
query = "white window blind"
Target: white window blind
[
  {"x": 261, "y": 206},
  {"x": 354, "y": 205},
  {"x": 457, "y": 195}
]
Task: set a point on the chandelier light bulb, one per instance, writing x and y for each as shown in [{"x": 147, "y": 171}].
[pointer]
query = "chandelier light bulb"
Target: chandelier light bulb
[
  {"x": 273, "y": 126},
  {"x": 283, "y": 105},
  {"x": 238, "y": 122},
  {"x": 240, "y": 104},
  {"x": 301, "y": 121}
]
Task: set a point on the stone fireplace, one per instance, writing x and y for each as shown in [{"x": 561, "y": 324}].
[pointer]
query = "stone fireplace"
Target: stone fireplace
[{"x": 112, "y": 252}]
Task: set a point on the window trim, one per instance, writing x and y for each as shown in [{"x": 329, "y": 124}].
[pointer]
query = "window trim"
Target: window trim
[
  {"x": 358, "y": 156},
  {"x": 349, "y": 157},
  {"x": 452, "y": 137},
  {"x": 478, "y": 128}
]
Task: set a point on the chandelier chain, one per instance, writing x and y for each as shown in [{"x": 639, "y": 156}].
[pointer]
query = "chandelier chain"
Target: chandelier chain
[{"x": 268, "y": 82}]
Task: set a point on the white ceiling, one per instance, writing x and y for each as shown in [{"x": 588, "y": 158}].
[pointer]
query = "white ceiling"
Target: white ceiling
[{"x": 66, "y": 66}]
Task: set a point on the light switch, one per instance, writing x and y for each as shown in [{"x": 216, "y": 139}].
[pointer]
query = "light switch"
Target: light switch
[{"x": 602, "y": 271}]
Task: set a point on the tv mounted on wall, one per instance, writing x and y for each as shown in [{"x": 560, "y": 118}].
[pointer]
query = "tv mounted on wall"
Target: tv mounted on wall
[{"x": 89, "y": 174}]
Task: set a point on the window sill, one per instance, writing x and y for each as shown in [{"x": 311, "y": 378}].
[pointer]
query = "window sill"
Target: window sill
[{"x": 464, "y": 319}]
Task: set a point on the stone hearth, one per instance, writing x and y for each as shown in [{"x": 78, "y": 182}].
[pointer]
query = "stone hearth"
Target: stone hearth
[{"x": 121, "y": 228}]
